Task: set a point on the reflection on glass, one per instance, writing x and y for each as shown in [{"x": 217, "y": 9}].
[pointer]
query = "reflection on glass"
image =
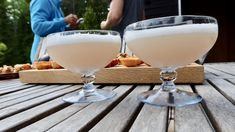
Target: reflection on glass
[
  {"x": 169, "y": 43},
  {"x": 84, "y": 52}
]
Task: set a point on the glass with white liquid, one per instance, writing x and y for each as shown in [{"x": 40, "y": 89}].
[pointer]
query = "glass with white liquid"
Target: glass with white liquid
[
  {"x": 169, "y": 43},
  {"x": 84, "y": 52}
]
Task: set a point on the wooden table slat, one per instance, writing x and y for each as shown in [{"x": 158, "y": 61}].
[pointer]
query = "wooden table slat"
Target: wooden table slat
[
  {"x": 150, "y": 119},
  {"x": 221, "y": 111},
  {"x": 33, "y": 102},
  {"x": 19, "y": 119},
  {"x": 79, "y": 120},
  {"x": 10, "y": 85},
  {"x": 232, "y": 80},
  {"x": 22, "y": 93},
  {"x": 210, "y": 75},
  {"x": 118, "y": 118},
  {"x": 191, "y": 117},
  {"x": 219, "y": 73},
  {"x": 14, "y": 89},
  {"x": 56, "y": 118},
  {"x": 225, "y": 67},
  {"x": 225, "y": 87},
  {"x": 9, "y": 81},
  {"x": 48, "y": 90}
]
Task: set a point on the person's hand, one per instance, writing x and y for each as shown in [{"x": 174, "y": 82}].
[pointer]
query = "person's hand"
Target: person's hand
[
  {"x": 71, "y": 19},
  {"x": 103, "y": 25}
]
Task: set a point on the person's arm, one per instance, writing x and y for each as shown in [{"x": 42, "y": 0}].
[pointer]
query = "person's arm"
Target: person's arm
[
  {"x": 40, "y": 12},
  {"x": 115, "y": 14}
]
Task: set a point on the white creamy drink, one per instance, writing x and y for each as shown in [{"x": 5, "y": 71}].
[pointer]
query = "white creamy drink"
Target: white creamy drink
[
  {"x": 83, "y": 53},
  {"x": 173, "y": 45}
]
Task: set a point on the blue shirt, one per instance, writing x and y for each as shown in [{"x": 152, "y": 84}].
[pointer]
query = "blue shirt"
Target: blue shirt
[{"x": 46, "y": 17}]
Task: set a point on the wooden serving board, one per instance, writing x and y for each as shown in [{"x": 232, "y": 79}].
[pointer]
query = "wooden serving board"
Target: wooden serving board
[
  {"x": 6, "y": 76},
  {"x": 193, "y": 73}
]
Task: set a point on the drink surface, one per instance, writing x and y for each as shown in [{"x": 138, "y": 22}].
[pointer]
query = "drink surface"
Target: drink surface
[
  {"x": 172, "y": 46},
  {"x": 83, "y": 53}
]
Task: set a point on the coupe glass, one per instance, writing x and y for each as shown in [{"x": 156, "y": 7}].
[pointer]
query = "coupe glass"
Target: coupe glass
[
  {"x": 84, "y": 52},
  {"x": 169, "y": 43}
]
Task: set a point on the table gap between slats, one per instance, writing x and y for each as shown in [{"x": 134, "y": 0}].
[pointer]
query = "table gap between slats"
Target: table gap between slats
[
  {"x": 94, "y": 112},
  {"x": 224, "y": 87},
  {"x": 14, "y": 89},
  {"x": 17, "y": 108},
  {"x": 37, "y": 112},
  {"x": 58, "y": 117},
  {"x": 219, "y": 110},
  {"x": 225, "y": 69},
  {"x": 186, "y": 117}
]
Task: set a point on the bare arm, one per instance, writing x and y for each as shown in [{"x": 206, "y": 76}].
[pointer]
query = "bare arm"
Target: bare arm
[{"x": 114, "y": 16}]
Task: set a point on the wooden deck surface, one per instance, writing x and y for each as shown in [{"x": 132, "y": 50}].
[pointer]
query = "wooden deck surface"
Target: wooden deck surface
[{"x": 25, "y": 107}]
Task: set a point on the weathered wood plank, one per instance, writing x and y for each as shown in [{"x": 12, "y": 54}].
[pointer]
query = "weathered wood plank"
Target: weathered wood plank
[
  {"x": 225, "y": 87},
  {"x": 232, "y": 80},
  {"x": 48, "y": 90},
  {"x": 81, "y": 119},
  {"x": 118, "y": 119},
  {"x": 18, "y": 119},
  {"x": 10, "y": 81},
  {"x": 150, "y": 119},
  {"x": 14, "y": 89},
  {"x": 225, "y": 67},
  {"x": 191, "y": 118},
  {"x": 22, "y": 93},
  {"x": 219, "y": 110},
  {"x": 9, "y": 85},
  {"x": 33, "y": 102},
  {"x": 210, "y": 75},
  {"x": 56, "y": 118},
  {"x": 219, "y": 73}
]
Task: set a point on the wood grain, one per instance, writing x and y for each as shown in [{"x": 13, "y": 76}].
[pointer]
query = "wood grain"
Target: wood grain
[
  {"x": 78, "y": 121},
  {"x": 35, "y": 101},
  {"x": 225, "y": 67},
  {"x": 14, "y": 89},
  {"x": 18, "y": 119},
  {"x": 224, "y": 87},
  {"x": 150, "y": 119},
  {"x": 191, "y": 117},
  {"x": 22, "y": 93},
  {"x": 220, "y": 110},
  {"x": 220, "y": 74},
  {"x": 58, "y": 117},
  {"x": 48, "y": 90},
  {"x": 119, "y": 118},
  {"x": 193, "y": 73}
]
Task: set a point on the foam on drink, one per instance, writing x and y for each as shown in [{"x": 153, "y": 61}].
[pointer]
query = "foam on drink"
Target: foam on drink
[
  {"x": 83, "y": 53},
  {"x": 174, "y": 45}
]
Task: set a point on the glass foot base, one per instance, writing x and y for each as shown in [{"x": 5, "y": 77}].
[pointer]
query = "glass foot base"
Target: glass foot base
[
  {"x": 174, "y": 99},
  {"x": 95, "y": 96}
]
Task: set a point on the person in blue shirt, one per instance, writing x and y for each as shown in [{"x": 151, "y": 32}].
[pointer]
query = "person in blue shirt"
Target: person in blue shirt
[{"x": 47, "y": 17}]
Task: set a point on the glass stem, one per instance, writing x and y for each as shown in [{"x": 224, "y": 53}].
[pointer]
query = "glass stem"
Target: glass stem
[
  {"x": 168, "y": 76},
  {"x": 88, "y": 81}
]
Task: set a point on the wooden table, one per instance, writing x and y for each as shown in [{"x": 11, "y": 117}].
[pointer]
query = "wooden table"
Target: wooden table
[{"x": 27, "y": 107}]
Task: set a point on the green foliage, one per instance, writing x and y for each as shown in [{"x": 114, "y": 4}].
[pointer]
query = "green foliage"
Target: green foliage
[
  {"x": 15, "y": 30},
  {"x": 94, "y": 11},
  {"x": 3, "y": 49},
  {"x": 90, "y": 19}
]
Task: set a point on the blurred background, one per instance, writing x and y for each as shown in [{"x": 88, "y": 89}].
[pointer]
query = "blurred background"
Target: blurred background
[{"x": 16, "y": 36}]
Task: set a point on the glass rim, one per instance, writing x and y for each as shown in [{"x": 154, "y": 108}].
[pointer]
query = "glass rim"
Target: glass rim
[
  {"x": 95, "y": 31},
  {"x": 132, "y": 25}
]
